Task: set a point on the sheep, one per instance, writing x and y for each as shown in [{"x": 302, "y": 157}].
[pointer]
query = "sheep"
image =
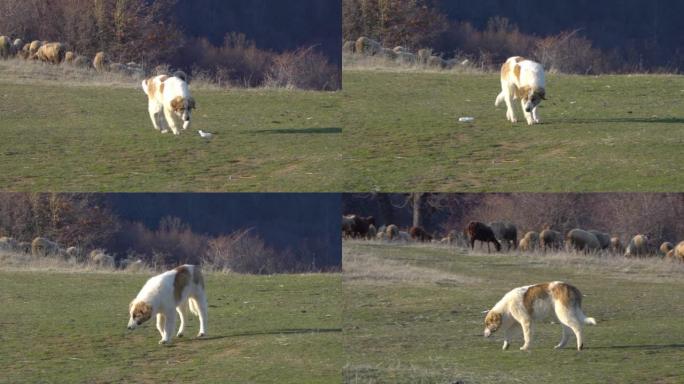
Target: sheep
[
  {"x": 74, "y": 252},
  {"x": 483, "y": 233},
  {"x": 579, "y": 240},
  {"x": 638, "y": 246},
  {"x": 99, "y": 258},
  {"x": 392, "y": 232},
  {"x": 372, "y": 232},
  {"x": 424, "y": 55},
  {"x": 348, "y": 226},
  {"x": 132, "y": 265},
  {"x": 25, "y": 52},
  {"x": 603, "y": 238},
  {"x": 550, "y": 239},
  {"x": 400, "y": 49},
  {"x": 419, "y": 234},
  {"x": 81, "y": 61},
  {"x": 506, "y": 233},
  {"x": 677, "y": 254},
  {"x": 382, "y": 235},
  {"x": 666, "y": 247},
  {"x": 17, "y": 45},
  {"x": 100, "y": 62},
  {"x": 43, "y": 247},
  {"x": 69, "y": 57},
  {"x": 404, "y": 236},
  {"x": 51, "y": 53},
  {"x": 529, "y": 242},
  {"x": 5, "y": 47},
  {"x": 33, "y": 48},
  {"x": 368, "y": 47},
  {"x": 616, "y": 246}
]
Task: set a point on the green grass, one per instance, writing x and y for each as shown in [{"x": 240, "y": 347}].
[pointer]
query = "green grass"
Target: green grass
[
  {"x": 71, "y": 328},
  {"x": 426, "y": 326},
  {"x": 607, "y": 133},
  {"x": 61, "y": 137}
]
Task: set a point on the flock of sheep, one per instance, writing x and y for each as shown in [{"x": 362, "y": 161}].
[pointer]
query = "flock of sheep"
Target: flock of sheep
[
  {"x": 505, "y": 233},
  {"x": 368, "y": 47},
  {"x": 42, "y": 247},
  {"x": 56, "y": 53}
]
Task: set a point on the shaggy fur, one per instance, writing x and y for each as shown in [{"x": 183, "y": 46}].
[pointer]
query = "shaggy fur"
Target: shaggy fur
[
  {"x": 522, "y": 79},
  {"x": 169, "y": 102},
  {"x": 481, "y": 232},
  {"x": 163, "y": 295},
  {"x": 52, "y": 53},
  {"x": 523, "y": 305}
]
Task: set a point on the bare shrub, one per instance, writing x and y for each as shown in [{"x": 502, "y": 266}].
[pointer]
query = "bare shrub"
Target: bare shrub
[
  {"x": 303, "y": 69},
  {"x": 568, "y": 52},
  {"x": 243, "y": 252}
]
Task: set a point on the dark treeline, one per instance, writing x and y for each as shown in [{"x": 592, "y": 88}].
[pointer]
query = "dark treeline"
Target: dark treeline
[
  {"x": 624, "y": 215},
  {"x": 641, "y": 31}
]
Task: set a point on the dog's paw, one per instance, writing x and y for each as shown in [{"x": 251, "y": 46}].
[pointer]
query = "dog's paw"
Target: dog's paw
[
  {"x": 163, "y": 342},
  {"x": 179, "y": 335},
  {"x": 164, "y": 131},
  {"x": 201, "y": 335},
  {"x": 524, "y": 348},
  {"x": 505, "y": 346}
]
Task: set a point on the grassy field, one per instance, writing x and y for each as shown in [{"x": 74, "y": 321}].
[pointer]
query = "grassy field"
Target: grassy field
[
  {"x": 413, "y": 314},
  {"x": 608, "y": 133},
  {"x": 67, "y": 136},
  {"x": 71, "y": 328}
]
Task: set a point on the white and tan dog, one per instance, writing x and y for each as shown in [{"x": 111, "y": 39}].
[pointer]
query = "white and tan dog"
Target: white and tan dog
[
  {"x": 522, "y": 79},
  {"x": 169, "y": 102},
  {"x": 523, "y": 305},
  {"x": 163, "y": 295}
]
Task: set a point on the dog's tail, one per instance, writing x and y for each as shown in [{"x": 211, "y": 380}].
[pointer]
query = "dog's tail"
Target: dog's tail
[
  {"x": 145, "y": 88},
  {"x": 194, "y": 307},
  {"x": 500, "y": 99}
]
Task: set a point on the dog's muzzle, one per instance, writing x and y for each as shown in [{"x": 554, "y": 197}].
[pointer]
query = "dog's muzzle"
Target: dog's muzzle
[{"x": 487, "y": 332}]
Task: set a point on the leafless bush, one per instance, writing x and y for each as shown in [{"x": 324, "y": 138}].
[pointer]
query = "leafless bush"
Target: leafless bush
[
  {"x": 303, "y": 69},
  {"x": 243, "y": 252},
  {"x": 568, "y": 52}
]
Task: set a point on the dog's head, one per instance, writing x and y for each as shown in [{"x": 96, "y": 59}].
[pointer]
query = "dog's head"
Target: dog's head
[
  {"x": 492, "y": 323},
  {"x": 183, "y": 107},
  {"x": 140, "y": 312},
  {"x": 533, "y": 97}
]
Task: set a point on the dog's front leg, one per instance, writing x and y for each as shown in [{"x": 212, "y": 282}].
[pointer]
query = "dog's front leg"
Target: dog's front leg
[
  {"x": 182, "y": 314},
  {"x": 510, "y": 112},
  {"x": 169, "y": 326},
  {"x": 171, "y": 121},
  {"x": 161, "y": 323},
  {"x": 535, "y": 115},
  {"x": 507, "y": 340}
]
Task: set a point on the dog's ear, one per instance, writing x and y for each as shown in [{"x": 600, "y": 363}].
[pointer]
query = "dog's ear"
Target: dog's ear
[
  {"x": 191, "y": 103},
  {"x": 542, "y": 95},
  {"x": 177, "y": 104}
]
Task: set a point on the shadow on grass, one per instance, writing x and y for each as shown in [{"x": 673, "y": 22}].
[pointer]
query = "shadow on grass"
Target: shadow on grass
[
  {"x": 298, "y": 131},
  {"x": 627, "y": 120},
  {"x": 645, "y": 347},
  {"x": 297, "y": 331}
]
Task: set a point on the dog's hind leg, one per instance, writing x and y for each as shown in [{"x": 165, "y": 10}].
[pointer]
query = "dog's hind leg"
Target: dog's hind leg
[
  {"x": 183, "y": 315},
  {"x": 161, "y": 323},
  {"x": 526, "y": 325},
  {"x": 564, "y": 337},
  {"x": 568, "y": 318},
  {"x": 510, "y": 112},
  {"x": 198, "y": 306},
  {"x": 155, "y": 110}
]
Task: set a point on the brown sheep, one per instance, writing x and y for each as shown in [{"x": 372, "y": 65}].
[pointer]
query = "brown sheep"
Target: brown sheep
[
  {"x": 372, "y": 232},
  {"x": 506, "y": 233},
  {"x": 419, "y": 234},
  {"x": 483, "y": 233},
  {"x": 348, "y": 226},
  {"x": 51, "y": 53},
  {"x": 34, "y": 46},
  {"x": 638, "y": 246},
  {"x": 17, "y": 45},
  {"x": 368, "y": 47},
  {"x": 603, "y": 238},
  {"x": 529, "y": 242},
  {"x": 100, "y": 62},
  {"x": 5, "y": 47},
  {"x": 666, "y": 247},
  {"x": 348, "y": 47},
  {"x": 580, "y": 240},
  {"x": 550, "y": 239},
  {"x": 616, "y": 246},
  {"x": 99, "y": 258}
]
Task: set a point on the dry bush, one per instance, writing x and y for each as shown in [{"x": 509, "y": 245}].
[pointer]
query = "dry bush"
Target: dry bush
[
  {"x": 303, "y": 69},
  {"x": 69, "y": 219},
  {"x": 568, "y": 52},
  {"x": 243, "y": 252}
]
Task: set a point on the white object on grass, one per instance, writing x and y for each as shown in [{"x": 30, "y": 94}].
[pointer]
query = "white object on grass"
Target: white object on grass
[
  {"x": 466, "y": 119},
  {"x": 205, "y": 135}
]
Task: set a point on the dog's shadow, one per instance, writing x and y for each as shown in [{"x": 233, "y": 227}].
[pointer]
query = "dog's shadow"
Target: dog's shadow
[
  {"x": 290, "y": 331},
  {"x": 297, "y": 131},
  {"x": 653, "y": 347},
  {"x": 625, "y": 120}
]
